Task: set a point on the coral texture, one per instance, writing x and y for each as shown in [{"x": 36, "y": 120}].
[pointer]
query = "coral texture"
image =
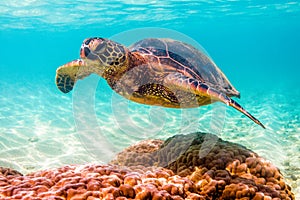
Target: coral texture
[
  {"x": 138, "y": 154},
  {"x": 220, "y": 169},
  {"x": 193, "y": 166},
  {"x": 9, "y": 172},
  {"x": 98, "y": 182}
]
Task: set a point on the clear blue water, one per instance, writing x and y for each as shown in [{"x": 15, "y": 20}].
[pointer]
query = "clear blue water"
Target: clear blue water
[{"x": 255, "y": 43}]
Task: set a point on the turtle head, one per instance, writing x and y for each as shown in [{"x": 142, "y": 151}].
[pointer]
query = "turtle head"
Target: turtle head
[
  {"x": 101, "y": 56},
  {"x": 105, "y": 56},
  {"x": 68, "y": 74}
]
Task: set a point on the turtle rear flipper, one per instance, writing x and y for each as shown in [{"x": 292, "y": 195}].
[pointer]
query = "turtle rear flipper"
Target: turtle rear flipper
[{"x": 179, "y": 81}]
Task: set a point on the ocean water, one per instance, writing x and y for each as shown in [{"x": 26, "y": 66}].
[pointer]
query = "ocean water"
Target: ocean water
[{"x": 255, "y": 43}]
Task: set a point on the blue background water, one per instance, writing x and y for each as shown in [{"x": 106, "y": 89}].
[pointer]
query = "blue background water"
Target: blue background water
[{"x": 255, "y": 43}]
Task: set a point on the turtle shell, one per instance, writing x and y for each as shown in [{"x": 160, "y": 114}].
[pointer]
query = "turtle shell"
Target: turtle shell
[{"x": 186, "y": 59}]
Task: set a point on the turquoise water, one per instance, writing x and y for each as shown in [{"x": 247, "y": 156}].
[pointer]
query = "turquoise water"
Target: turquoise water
[{"x": 255, "y": 43}]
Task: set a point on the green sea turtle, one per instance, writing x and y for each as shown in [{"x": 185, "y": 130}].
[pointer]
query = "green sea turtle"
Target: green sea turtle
[{"x": 152, "y": 71}]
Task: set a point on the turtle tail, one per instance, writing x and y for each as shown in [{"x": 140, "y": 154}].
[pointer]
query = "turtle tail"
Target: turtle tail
[{"x": 234, "y": 104}]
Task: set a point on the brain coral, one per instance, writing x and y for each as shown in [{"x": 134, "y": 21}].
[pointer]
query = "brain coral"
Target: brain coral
[
  {"x": 193, "y": 166},
  {"x": 220, "y": 169}
]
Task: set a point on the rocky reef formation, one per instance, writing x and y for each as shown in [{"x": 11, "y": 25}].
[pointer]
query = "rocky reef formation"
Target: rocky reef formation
[{"x": 193, "y": 166}]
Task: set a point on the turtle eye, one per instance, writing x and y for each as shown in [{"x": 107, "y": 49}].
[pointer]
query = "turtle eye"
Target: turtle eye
[
  {"x": 87, "y": 51},
  {"x": 87, "y": 41}
]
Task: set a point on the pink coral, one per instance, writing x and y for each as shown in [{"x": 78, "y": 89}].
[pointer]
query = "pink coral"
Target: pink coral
[{"x": 97, "y": 181}]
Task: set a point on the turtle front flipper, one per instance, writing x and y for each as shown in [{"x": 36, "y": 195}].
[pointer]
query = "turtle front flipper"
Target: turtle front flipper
[
  {"x": 179, "y": 81},
  {"x": 68, "y": 74},
  {"x": 64, "y": 82}
]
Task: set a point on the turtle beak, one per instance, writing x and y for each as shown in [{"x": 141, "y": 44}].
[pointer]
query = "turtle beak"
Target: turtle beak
[
  {"x": 67, "y": 75},
  {"x": 84, "y": 51}
]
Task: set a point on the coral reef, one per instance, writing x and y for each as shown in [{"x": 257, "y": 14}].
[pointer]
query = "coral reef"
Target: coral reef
[
  {"x": 138, "y": 154},
  {"x": 220, "y": 169},
  {"x": 98, "y": 182},
  {"x": 193, "y": 166},
  {"x": 9, "y": 172}
]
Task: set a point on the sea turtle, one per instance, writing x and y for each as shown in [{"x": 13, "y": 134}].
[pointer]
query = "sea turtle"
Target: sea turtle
[{"x": 152, "y": 71}]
